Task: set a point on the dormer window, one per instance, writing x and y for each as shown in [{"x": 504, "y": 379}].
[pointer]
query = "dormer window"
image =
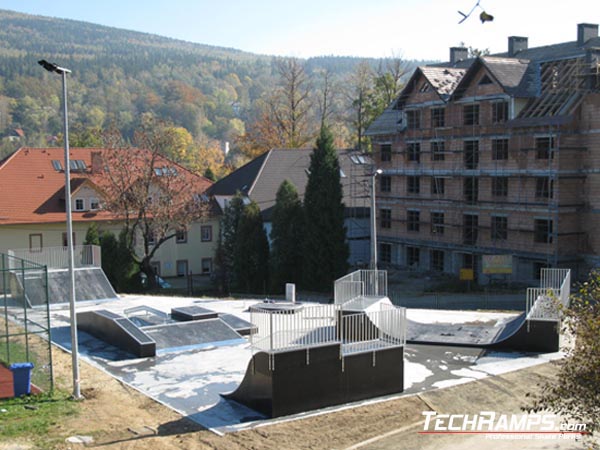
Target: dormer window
[{"x": 79, "y": 204}]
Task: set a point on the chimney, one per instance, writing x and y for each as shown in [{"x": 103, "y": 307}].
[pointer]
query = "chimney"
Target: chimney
[
  {"x": 458, "y": 54},
  {"x": 516, "y": 44},
  {"x": 585, "y": 32},
  {"x": 96, "y": 162}
]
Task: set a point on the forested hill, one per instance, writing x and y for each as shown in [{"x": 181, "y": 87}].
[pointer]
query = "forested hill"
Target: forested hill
[{"x": 121, "y": 76}]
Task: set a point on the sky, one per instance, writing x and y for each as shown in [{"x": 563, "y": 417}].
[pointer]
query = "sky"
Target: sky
[{"x": 412, "y": 29}]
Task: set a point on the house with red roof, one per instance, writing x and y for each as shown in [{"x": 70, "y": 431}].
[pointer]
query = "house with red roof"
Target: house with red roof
[{"x": 33, "y": 215}]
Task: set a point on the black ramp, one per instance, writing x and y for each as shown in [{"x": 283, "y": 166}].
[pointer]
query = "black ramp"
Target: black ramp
[
  {"x": 241, "y": 326},
  {"x": 190, "y": 333},
  {"x": 516, "y": 334},
  {"x": 302, "y": 380},
  {"x": 186, "y": 313}
]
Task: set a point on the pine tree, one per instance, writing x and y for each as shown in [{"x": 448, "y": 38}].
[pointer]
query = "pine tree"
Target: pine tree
[
  {"x": 286, "y": 237},
  {"x": 251, "y": 253},
  {"x": 92, "y": 236},
  {"x": 226, "y": 244},
  {"x": 326, "y": 251}
]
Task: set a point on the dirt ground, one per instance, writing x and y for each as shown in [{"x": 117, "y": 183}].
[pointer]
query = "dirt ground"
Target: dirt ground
[{"x": 119, "y": 417}]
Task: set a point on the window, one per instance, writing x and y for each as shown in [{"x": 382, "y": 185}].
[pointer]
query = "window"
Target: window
[
  {"x": 35, "y": 242},
  {"x": 471, "y": 154},
  {"x": 470, "y": 229},
  {"x": 500, "y": 186},
  {"x": 386, "y": 152},
  {"x": 413, "y": 220},
  {"x": 413, "y": 184},
  {"x": 485, "y": 80},
  {"x": 181, "y": 236},
  {"x": 206, "y": 233},
  {"x": 436, "y": 260},
  {"x": 542, "y": 231},
  {"x": 499, "y": 228},
  {"x": 438, "y": 117},
  {"x": 413, "y": 119},
  {"x": 385, "y": 253},
  {"x": 437, "y": 150},
  {"x": 543, "y": 147},
  {"x": 499, "y": 112},
  {"x": 57, "y": 165},
  {"x": 94, "y": 204},
  {"x": 437, "y": 223},
  {"x": 155, "y": 267},
  {"x": 385, "y": 183},
  {"x": 537, "y": 269},
  {"x": 544, "y": 187},
  {"x": 471, "y": 114},
  {"x": 413, "y": 255},
  {"x": 64, "y": 239},
  {"x": 424, "y": 87},
  {"x": 385, "y": 215},
  {"x": 471, "y": 189},
  {"x": 438, "y": 185},
  {"x": 206, "y": 266},
  {"x": 151, "y": 239},
  {"x": 79, "y": 204},
  {"x": 499, "y": 149},
  {"x": 413, "y": 151},
  {"x": 182, "y": 267}
]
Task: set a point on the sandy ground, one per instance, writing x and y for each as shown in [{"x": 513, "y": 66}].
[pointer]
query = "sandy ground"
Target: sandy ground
[{"x": 119, "y": 417}]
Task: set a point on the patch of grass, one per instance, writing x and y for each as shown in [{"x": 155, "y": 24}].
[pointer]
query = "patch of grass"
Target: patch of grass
[{"x": 32, "y": 417}]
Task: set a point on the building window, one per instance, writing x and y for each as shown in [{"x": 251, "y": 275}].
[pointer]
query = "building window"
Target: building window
[
  {"x": 413, "y": 184},
  {"x": 544, "y": 187},
  {"x": 542, "y": 231},
  {"x": 35, "y": 243},
  {"x": 438, "y": 149},
  {"x": 385, "y": 215},
  {"x": 471, "y": 189},
  {"x": 438, "y": 185},
  {"x": 537, "y": 269},
  {"x": 413, "y": 256},
  {"x": 182, "y": 267},
  {"x": 413, "y": 220},
  {"x": 206, "y": 233},
  {"x": 94, "y": 204},
  {"x": 155, "y": 267},
  {"x": 499, "y": 149},
  {"x": 386, "y": 152},
  {"x": 471, "y": 114},
  {"x": 385, "y": 253},
  {"x": 181, "y": 236},
  {"x": 499, "y": 186},
  {"x": 438, "y": 117},
  {"x": 471, "y": 154},
  {"x": 436, "y": 260},
  {"x": 437, "y": 223},
  {"x": 499, "y": 228},
  {"x": 470, "y": 229},
  {"x": 413, "y": 151},
  {"x": 79, "y": 204},
  {"x": 206, "y": 266},
  {"x": 499, "y": 112},
  {"x": 543, "y": 147},
  {"x": 64, "y": 239},
  {"x": 413, "y": 119},
  {"x": 151, "y": 239},
  {"x": 385, "y": 183}
]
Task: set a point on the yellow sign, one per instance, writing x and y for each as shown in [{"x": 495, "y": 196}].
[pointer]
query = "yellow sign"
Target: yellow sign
[
  {"x": 467, "y": 274},
  {"x": 496, "y": 264}
]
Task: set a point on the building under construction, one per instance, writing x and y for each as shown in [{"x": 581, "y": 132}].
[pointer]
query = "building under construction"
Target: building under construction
[{"x": 494, "y": 155}]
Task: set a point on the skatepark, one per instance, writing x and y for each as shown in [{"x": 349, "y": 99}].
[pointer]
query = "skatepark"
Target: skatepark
[{"x": 234, "y": 364}]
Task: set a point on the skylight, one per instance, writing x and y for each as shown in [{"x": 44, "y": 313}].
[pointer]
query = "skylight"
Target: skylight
[{"x": 57, "y": 165}]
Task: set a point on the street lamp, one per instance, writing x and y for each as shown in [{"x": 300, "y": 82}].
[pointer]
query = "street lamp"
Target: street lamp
[
  {"x": 51, "y": 67},
  {"x": 373, "y": 265}
]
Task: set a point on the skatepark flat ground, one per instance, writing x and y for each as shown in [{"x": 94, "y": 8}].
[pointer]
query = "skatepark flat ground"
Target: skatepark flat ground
[{"x": 190, "y": 381}]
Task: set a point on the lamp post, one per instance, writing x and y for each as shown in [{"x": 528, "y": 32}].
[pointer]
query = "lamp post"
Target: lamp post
[
  {"x": 51, "y": 67},
  {"x": 373, "y": 265}
]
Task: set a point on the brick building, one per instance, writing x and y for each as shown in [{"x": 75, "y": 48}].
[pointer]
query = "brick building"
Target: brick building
[{"x": 494, "y": 155}]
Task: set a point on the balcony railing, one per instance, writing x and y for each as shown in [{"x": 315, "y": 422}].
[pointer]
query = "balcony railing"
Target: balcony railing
[{"x": 56, "y": 258}]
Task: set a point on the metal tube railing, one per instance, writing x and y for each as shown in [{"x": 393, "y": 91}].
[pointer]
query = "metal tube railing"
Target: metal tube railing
[
  {"x": 361, "y": 283},
  {"x": 58, "y": 257}
]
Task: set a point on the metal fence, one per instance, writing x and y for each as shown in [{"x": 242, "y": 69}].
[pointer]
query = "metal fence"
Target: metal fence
[
  {"x": 25, "y": 331},
  {"x": 58, "y": 257},
  {"x": 544, "y": 302},
  {"x": 361, "y": 283}
]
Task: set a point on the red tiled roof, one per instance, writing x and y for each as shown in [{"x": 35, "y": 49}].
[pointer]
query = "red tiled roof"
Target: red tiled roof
[{"x": 32, "y": 191}]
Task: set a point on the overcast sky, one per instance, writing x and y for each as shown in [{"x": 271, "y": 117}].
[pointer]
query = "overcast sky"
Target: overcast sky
[{"x": 415, "y": 29}]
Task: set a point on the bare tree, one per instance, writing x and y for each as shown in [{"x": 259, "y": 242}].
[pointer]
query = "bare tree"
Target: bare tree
[
  {"x": 359, "y": 94},
  {"x": 325, "y": 96},
  {"x": 155, "y": 197}
]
